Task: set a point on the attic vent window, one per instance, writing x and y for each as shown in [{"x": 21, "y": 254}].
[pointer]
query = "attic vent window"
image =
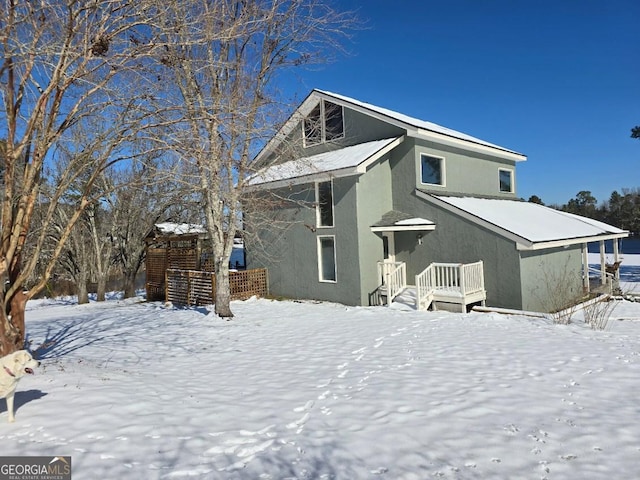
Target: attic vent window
[{"x": 323, "y": 124}]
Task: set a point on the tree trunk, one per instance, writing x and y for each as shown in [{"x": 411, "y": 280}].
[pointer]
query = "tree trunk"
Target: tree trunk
[
  {"x": 223, "y": 290},
  {"x": 81, "y": 287},
  {"x": 129, "y": 285},
  {"x": 101, "y": 293},
  {"x": 12, "y": 332}
]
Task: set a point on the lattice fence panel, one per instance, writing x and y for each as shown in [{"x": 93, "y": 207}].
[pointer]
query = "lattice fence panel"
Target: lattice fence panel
[
  {"x": 183, "y": 259},
  {"x": 247, "y": 283},
  {"x": 198, "y": 288},
  {"x": 155, "y": 265},
  {"x": 177, "y": 287}
]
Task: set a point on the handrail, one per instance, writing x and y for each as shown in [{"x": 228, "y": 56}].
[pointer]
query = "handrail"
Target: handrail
[
  {"x": 599, "y": 272},
  {"x": 465, "y": 279},
  {"x": 396, "y": 281}
]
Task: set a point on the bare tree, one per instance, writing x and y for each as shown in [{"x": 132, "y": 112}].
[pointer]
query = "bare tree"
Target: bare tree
[
  {"x": 222, "y": 60},
  {"x": 61, "y": 63},
  {"x": 75, "y": 259},
  {"x": 154, "y": 194}
]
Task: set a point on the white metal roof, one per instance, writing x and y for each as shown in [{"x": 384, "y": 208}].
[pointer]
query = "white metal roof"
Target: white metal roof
[
  {"x": 532, "y": 226},
  {"x": 413, "y": 126},
  {"x": 415, "y": 122},
  {"x": 168, "y": 228},
  {"x": 345, "y": 161}
]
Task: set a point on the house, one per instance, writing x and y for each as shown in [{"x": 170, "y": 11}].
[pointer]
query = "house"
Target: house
[{"x": 379, "y": 201}]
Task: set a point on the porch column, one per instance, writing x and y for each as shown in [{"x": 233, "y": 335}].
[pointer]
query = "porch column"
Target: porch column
[
  {"x": 603, "y": 265},
  {"x": 616, "y": 258},
  {"x": 585, "y": 268}
]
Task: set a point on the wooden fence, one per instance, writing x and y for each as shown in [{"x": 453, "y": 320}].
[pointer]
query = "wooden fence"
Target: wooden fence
[{"x": 194, "y": 287}]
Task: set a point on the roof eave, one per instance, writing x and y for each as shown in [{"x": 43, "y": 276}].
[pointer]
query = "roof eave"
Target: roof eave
[
  {"x": 570, "y": 241},
  {"x": 359, "y": 169},
  {"x": 404, "y": 228},
  {"x": 314, "y": 177}
]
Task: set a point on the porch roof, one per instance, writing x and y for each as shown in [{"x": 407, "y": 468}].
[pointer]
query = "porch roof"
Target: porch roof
[
  {"x": 531, "y": 226},
  {"x": 395, "y": 221},
  {"x": 352, "y": 160}
]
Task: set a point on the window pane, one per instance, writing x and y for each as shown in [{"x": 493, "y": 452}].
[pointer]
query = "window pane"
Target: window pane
[
  {"x": 505, "y": 181},
  {"x": 313, "y": 127},
  {"x": 334, "y": 127},
  {"x": 327, "y": 259},
  {"x": 325, "y": 204},
  {"x": 431, "y": 170}
]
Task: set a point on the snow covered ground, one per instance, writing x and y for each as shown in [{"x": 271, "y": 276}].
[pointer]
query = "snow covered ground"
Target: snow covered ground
[{"x": 137, "y": 390}]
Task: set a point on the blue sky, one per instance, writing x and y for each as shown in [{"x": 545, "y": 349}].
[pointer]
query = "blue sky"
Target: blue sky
[{"x": 556, "y": 80}]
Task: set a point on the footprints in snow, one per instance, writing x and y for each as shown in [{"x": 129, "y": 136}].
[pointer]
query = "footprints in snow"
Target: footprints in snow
[{"x": 246, "y": 445}]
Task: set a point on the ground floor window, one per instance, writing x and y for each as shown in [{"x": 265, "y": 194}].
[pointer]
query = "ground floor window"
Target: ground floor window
[{"x": 327, "y": 258}]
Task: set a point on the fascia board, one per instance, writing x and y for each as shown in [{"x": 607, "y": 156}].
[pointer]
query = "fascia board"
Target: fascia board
[
  {"x": 404, "y": 228},
  {"x": 363, "y": 166},
  {"x": 572, "y": 241},
  {"x": 297, "y": 116},
  {"x": 466, "y": 144}
]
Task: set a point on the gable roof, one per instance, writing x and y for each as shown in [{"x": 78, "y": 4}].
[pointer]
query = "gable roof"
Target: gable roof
[
  {"x": 414, "y": 127},
  {"x": 530, "y": 225},
  {"x": 346, "y": 161}
]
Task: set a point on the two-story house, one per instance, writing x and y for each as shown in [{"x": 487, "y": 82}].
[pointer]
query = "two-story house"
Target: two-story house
[{"x": 379, "y": 201}]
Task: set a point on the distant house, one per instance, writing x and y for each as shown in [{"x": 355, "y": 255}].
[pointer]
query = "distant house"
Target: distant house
[{"x": 400, "y": 203}]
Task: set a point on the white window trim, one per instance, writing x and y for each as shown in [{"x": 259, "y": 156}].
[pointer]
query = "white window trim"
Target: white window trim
[
  {"x": 512, "y": 182},
  {"x": 323, "y": 127},
  {"x": 443, "y": 167},
  {"x": 335, "y": 262},
  {"x": 333, "y": 206}
]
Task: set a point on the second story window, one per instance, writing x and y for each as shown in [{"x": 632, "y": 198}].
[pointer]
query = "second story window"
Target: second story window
[
  {"x": 324, "y": 204},
  {"x": 323, "y": 124},
  {"x": 506, "y": 180},
  {"x": 432, "y": 170}
]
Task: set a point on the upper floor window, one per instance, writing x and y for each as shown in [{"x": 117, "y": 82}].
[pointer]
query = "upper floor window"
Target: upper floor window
[
  {"x": 506, "y": 180},
  {"x": 324, "y": 204},
  {"x": 432, "y": 170},
  {"x": 323, "y": 124}
]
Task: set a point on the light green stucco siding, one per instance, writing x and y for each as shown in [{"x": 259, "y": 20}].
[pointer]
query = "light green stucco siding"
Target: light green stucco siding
[
  {"x": 374, "y": 200},
  {"x": 289, "y": 247},
  {"x": 465, "y": 173},
  {"x": 551, "y": 279}
]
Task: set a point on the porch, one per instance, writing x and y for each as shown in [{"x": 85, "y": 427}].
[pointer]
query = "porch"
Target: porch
[{"x": 439, "y": 285}]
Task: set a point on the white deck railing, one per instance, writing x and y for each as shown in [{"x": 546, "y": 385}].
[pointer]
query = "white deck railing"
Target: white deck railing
[
  {"x": 394, "y": 278},
  {"x": 450, "y": 282}
]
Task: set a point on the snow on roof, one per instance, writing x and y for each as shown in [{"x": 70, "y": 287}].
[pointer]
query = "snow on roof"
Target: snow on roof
[
  {"x": 414, "y": 221},
  {"x": 344, "y": 158},
  {"x": 394, "y": 221},
  {"x": 168, "y": 228},
  {"x": 433, "y": 127},
  {"x": 532, "y": 222}
]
